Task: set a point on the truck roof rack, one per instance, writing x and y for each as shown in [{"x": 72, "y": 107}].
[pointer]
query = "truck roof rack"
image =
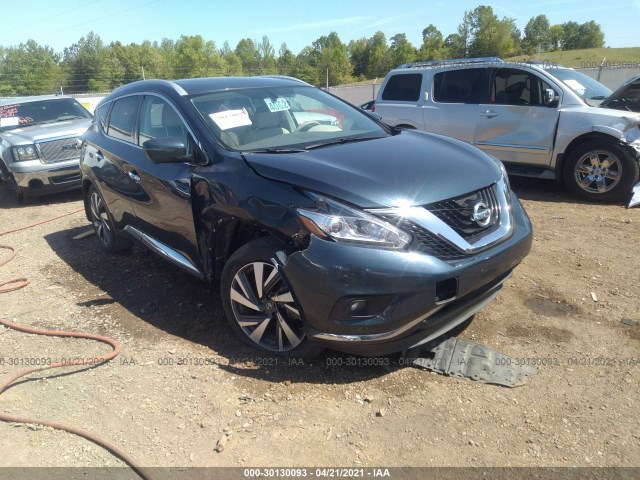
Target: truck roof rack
[{"x": 452, "y": 61}]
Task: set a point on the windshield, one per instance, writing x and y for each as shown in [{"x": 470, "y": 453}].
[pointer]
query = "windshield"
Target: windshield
[
  {"x": 282, "y": 119},
  {"x": 25, "y": 114},
  {"x": 587, "y": 88}
]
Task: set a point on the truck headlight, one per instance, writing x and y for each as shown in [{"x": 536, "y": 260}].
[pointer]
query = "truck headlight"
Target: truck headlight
[{"x": 24, "y": 153}]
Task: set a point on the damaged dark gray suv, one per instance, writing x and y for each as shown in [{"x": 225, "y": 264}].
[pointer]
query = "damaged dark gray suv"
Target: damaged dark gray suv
[{"x": 344, "y": 234}]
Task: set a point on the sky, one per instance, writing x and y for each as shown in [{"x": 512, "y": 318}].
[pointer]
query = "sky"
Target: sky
[{"x": 59, "y": 24}]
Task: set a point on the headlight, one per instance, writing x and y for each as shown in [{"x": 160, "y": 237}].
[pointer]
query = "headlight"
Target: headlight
[
  {"x": 504, "y": 172},
  {"x": 344, "y": 224},
  {"x": 25, "y": 152}
]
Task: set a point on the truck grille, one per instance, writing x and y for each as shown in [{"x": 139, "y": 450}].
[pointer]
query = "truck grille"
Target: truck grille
[{"x": 59, "y": 150}]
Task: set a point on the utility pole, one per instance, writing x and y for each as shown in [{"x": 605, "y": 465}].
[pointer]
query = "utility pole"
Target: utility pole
[{"x": 143, "y": 73}]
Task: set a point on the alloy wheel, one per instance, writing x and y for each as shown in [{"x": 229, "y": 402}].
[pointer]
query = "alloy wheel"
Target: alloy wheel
[
  {"x": 100, "y": 218},
  {"x": 264, "y": 308},
  {"x": 598, "y": 171}
]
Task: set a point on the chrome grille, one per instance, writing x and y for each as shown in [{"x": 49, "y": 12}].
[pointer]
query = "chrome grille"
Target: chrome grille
[
  {"x": 427, "y": 242},
  {"x": 472, "y": 218},
  {"x": 59, "y": 150},
  {"x": 458, "y": 212}
]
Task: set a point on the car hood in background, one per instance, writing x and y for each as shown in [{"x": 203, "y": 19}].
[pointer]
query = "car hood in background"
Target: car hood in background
[
  {"x": 43, "y": 131},
  {"x": 626, "y": 97},
  {"x": 401, "y": 170}
]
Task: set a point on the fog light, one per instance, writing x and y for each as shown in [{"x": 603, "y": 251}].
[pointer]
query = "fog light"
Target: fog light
[{"x": 357, "y": 306}]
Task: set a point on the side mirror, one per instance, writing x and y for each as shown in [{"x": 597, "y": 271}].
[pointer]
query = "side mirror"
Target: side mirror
[
  {"x": 166, "y": 150},
  {"x": 549, "y": 96}
]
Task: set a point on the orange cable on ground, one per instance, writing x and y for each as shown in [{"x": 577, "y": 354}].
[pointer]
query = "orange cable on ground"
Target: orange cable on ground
[{"x": 20, "y": 282}]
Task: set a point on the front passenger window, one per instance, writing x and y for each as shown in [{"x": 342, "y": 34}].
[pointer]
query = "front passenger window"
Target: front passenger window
[{"x": 159, "y": 119}]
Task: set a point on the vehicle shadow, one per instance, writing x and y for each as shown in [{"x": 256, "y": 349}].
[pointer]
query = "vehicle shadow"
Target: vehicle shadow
[
  {"x": 9, "y": 201},
  {"x": 547, "y": 191},
  {"x": 153, "y": 291}
]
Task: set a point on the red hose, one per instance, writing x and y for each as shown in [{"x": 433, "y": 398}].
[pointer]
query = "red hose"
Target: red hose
[{"x": 20, "y": 282}]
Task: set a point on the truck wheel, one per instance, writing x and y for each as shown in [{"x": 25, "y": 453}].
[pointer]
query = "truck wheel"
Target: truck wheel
[{"x": 600, "y": 171}]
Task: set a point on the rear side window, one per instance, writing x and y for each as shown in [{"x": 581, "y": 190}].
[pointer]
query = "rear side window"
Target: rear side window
[
  {"x": 403, "y": 87},
  {"x": 461, "y": 86},
  {"x": 123, "y": 118},
  {"x": 101, "y": 116}
]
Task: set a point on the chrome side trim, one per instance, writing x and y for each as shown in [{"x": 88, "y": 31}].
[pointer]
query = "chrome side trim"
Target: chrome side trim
[
  {"x": 164, "y": 251},
  {"x": 510, "y": 147},
  {"x": 429, "y": 221},
  {"x": 377, "y": 337}
]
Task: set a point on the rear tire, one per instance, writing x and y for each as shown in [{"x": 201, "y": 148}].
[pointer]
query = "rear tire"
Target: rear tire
[
  {"x": 110, "y": 240},
  {"x": 600, "y": 171},
  {"x": 260, "y": 306}
]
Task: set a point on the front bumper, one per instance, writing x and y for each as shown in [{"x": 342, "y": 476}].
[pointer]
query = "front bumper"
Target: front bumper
[
  {"x": 411, "y": 297},
  {"x": 47, "y": 177}
]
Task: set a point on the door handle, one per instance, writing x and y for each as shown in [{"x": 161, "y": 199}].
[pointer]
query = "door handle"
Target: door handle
[
  {"x": 134, "y": 176},
  {"x": 99, "y": 156},
  {"x": 489, "y": 114}
]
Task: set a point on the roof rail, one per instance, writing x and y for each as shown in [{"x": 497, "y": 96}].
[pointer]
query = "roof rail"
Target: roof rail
[{"x": 452, "y": 61}]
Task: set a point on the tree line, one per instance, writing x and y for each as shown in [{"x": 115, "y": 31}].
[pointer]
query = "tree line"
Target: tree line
[{"x": 90, "y": 65}]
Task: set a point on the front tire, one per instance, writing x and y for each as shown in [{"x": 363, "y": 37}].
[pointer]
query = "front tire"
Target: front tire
[
  {"x": 18, "y": 191},
  {"x": 260, "y": 306},
  {"x": 600, "y": 171}
]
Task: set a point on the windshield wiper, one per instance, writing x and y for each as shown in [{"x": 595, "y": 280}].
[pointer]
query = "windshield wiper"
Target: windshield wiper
[
  {"x": 275, "y": 150},
  {"x": 337, "y": 141},
  {"x": 598, "y": 97}
]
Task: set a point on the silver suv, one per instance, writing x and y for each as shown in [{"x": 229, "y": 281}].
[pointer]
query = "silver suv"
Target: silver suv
[
  {"x": 38, "y": 148},
  {"x": 523, "y": 114}
]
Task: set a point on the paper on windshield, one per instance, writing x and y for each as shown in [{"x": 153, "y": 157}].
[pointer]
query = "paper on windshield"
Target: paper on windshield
[
  {"x": 9, "y": 121},
  {"x": 575, "y": 85},
  {"x": 278, "y": 105},
  {"x": 231, "y": 119}
]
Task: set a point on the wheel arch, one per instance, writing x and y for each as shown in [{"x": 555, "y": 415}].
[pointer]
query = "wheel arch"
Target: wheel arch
[{"x": 228, "y": 235}]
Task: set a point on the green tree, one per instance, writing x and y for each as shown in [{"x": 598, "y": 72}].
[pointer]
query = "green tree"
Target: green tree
[
  {"x": 571, "y": 36},
  {"x": 377, "y": 55},
  {"x": 556, "y": 34},
  {"x": 432, "y": 47},
  {"x": 196, "y": 58},
  {"x": 233, "y": 62},
  {"x": 249, "y": 56},
  {"x": 89, "y": 66},
  {"x": 268, "y": 62},
  {"x": 591, "y": 35},
  {"x": 491, "y": 36},
  {"x": 330, "y": 58},
  {"x": 358, "y": 51},
  {"x": 30, "y": 69},
  {"x": 401, "y": 50},
  {"x": 536, "y": 35},
  {"x": 286, "y": 60}
]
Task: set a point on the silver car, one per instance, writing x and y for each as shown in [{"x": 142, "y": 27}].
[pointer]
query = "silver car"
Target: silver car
[
  {"x": 524, "y": 115},
  {"x": 38, "y": 148}
]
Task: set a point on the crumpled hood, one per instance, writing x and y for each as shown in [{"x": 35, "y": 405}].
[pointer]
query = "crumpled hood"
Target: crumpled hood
[
  {"x": 626, "y": 97},
  {"x": 411, "y": 168},
  {"x": 33, "y": 133}
]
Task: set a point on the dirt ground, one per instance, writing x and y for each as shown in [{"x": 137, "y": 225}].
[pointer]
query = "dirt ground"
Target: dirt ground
[{"x": 183, "y": 381}]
